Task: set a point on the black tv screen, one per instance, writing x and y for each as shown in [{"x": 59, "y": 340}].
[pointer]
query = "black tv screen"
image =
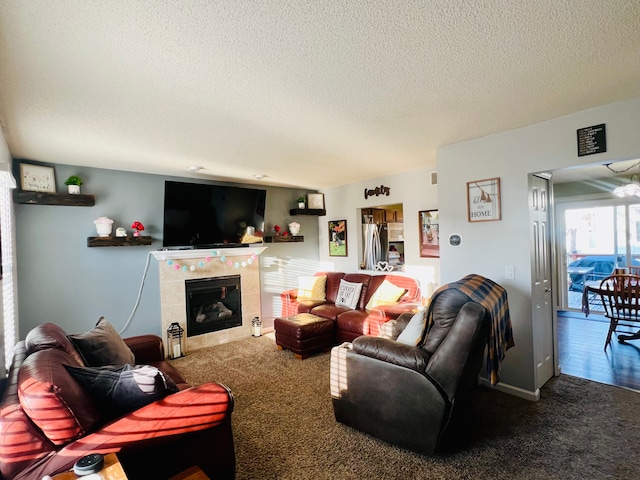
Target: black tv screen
[{"x": 202, "y": 215}]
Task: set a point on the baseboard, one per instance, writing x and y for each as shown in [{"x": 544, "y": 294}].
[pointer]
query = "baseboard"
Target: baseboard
[{"x": 511, "y": 390}]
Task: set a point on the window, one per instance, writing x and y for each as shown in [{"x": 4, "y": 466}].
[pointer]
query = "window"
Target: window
[{"x": 8, "y": 280}]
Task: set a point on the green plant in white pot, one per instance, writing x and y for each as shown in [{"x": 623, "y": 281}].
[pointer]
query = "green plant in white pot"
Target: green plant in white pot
[
  {"x": 73, "y": 183},
  {"x": 301, "y": 203}
]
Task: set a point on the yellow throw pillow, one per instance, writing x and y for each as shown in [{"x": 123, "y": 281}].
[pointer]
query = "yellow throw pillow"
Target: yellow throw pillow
[
  {"x": 386, "y": 294},
  {"x": 312, "y": 288}
]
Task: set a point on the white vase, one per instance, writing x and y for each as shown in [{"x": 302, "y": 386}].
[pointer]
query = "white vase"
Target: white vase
[
  {"x": 74, "y": 189},
  {"x": 294, "y": 229},
  {"x": 104, "y": 229}
]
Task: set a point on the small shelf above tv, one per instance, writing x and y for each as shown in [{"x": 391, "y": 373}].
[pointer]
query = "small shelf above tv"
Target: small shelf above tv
[
  {"x": 319, "y": 212},
  {"x": 118, "y": 241},
  {"x": 50, "y": 198},
  {"x": 283, "y": 239}
]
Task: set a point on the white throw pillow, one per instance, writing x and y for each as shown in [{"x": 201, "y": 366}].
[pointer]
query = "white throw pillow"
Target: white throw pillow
[
  {"x": 386, "y": 294},
  {"x": 312, "y": 288},
  {"x": 412, "y": 334},
  {"x": 348, "y": 294}
]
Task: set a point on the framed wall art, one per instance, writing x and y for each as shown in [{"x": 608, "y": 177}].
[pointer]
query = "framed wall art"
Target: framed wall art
[
  {"x": 315, "y": 201},
  {"x": 338, "y": 238},
  {"x": 36, "y": 178},
  {"x": 429, "y": 233},
  {"x": 483, "y": 200}
]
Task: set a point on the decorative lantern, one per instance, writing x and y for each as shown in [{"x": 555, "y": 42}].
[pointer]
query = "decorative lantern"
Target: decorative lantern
[
  {"x": 175, "y": 343},
  {"x": 256, "y": 327}
]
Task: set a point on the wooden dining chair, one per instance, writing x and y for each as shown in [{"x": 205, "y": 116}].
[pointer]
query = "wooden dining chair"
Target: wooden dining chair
[
  {"x": 633, "y": 270},
  {"x": 620, "y": 295}
]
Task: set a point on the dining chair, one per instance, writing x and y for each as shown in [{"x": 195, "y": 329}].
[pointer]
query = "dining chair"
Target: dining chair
[
  {"x": 620, "y": 295},
  {"x": 633, "y": 270}
]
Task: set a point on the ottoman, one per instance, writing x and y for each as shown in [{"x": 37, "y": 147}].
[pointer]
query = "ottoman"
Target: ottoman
[{"x": 304, "y": 334}]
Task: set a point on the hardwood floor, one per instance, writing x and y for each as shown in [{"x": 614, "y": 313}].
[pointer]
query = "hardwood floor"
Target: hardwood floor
[{"x": 581, "y": 351}]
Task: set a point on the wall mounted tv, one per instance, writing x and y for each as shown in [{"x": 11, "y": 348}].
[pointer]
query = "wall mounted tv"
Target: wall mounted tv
[{"x": 201, "y": 215}]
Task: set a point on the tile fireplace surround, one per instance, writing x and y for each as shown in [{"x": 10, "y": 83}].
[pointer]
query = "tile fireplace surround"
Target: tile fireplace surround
[{"x": 207, "y": 263}]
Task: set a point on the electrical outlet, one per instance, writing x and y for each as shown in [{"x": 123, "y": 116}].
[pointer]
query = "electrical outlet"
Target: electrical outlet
[{"x": 510, "y": 272}]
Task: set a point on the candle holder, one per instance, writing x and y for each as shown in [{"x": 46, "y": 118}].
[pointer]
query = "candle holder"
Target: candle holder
[{"x": 175, "y": 341}]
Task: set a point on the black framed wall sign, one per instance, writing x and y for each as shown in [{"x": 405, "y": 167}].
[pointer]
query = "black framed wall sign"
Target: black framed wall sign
[{"x": 592, "y": 140}]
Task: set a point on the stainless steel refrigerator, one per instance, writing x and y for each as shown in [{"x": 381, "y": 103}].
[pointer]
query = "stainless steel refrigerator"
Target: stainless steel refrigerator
[{"x": 383, "y": 245}]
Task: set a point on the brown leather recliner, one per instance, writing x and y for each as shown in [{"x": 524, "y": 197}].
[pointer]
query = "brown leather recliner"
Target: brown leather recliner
[
  {"x": 406, "y": 394},
  {"x": 48, "y": 421}
]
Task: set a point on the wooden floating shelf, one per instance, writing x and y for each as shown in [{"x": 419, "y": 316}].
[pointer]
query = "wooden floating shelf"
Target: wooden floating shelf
[
  {"x": 118, "y": 241},
  {"x": 308, "y": 211},
  {"x": 50, "y": 198},
  {"x": 287, "y": 239}
]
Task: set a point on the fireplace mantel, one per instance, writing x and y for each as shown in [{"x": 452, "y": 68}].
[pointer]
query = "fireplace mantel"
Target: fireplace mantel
[{"x": 206, "y": 252}]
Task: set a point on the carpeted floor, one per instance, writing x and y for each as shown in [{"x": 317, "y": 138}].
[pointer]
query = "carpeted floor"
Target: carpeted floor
[{"x": 284, "y": 426}]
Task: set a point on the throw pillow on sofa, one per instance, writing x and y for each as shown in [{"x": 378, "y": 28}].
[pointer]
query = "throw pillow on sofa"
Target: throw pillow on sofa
[
  {"x": 102, "y": 346},
  {"x": 414, "y": 331},
  {"x": 386, "y": 294},
  {"x": 312, "y": 288},
  {"x": 348, "y": 294},
  {"x": 124, "y": 388}
]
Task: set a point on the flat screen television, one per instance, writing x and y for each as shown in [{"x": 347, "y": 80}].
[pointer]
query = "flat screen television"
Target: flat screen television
[{"x": 201, "y": 215}]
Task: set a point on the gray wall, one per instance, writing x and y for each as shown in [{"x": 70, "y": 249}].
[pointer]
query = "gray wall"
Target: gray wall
[
  {"x": 63, "y": 281},
  {"x": 488, "y": 248}
]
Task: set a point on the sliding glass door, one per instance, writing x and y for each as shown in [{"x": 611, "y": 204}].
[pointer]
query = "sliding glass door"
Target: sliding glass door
[{"x": 598, "y": 239}]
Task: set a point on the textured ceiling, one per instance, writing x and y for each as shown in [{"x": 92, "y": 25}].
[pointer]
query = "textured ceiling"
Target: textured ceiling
[{"x": 310, "y": 93}]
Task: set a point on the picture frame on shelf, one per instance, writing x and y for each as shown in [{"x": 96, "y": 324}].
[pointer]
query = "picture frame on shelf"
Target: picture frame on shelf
[
  {"x": 337, "y": 238},
  {"x": 37, "y": 178},
  {"x": 483, "y": 200},
  {"x": 315, "y": 201},
  {"x": 429, "y": 223}
]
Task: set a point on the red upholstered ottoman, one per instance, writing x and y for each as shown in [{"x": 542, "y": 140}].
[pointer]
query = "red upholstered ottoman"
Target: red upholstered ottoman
[{"x": 304, "y": 334}]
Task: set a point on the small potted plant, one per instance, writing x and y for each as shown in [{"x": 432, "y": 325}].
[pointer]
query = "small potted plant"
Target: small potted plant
[
  {"x": 73, "y": 183},
  {"x": 301, "y": 203}
]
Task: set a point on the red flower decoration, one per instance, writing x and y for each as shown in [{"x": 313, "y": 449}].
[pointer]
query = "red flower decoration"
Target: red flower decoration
[
  {"x": 137, "y": 226},
  {"x": 277, "y": 229}
]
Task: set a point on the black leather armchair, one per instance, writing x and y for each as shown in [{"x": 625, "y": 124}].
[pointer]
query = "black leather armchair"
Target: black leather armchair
[{"x": 405, "y": 394}]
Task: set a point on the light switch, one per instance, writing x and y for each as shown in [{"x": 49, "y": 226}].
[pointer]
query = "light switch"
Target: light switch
[{"x": 510, "y": 272}]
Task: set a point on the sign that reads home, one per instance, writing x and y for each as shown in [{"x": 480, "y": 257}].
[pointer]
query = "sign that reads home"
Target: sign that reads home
[{"x": 483, "y": 199}]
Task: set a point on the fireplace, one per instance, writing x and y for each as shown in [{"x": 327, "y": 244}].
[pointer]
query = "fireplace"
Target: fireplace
[
  {"x": 175, "y": 267},
  {"x": 213, "y": 304}
]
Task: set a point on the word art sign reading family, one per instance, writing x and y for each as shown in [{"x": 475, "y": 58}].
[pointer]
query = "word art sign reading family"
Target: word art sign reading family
[
  {"x": 381, "y": 190},
  {"x": 483, "y": 200}
]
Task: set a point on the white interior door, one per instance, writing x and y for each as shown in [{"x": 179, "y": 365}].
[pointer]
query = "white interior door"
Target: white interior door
[{"x": 541, "y": 273}]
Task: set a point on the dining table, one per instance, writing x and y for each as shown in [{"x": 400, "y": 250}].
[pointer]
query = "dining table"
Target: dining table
[{"x": 583, "y": 272}]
